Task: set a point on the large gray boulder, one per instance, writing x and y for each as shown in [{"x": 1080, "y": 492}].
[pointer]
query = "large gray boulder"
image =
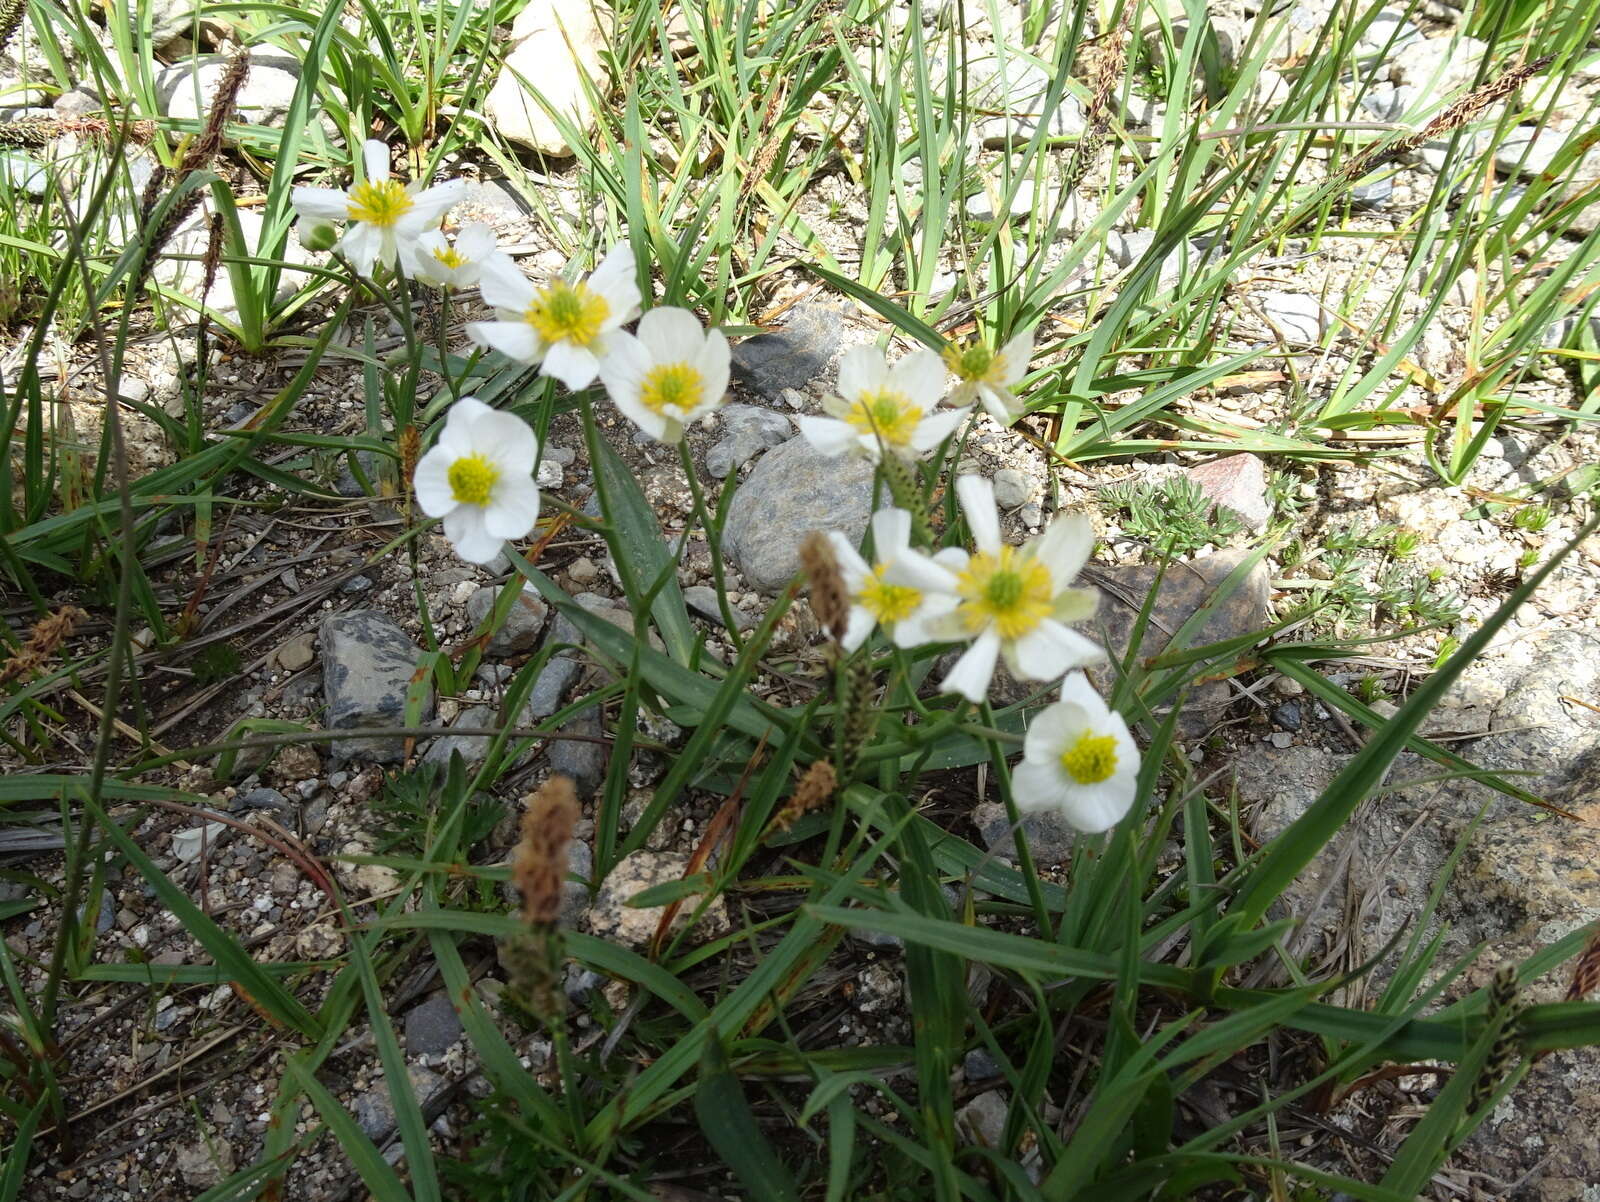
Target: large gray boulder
[{"x": 367, "y": 666}]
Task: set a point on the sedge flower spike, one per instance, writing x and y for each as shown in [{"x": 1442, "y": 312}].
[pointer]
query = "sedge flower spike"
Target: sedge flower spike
[
  {"x": 454, "y": 266},
  {"x": 668, "y": 374},
  {"x": 566, "y": 328},
  {"x": 903, "y": 610},
  {"x": 384, "y": 218},
  {"x": 1010, "y": 601},
  {"x": 990, "y": 377},
  {"x": 1078, "y": 759},
  {"x": 882, "y": 406},
  {"x": 479, "y": 478}
]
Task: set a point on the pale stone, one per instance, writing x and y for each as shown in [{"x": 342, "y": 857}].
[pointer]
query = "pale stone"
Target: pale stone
[{"x": 555, "y": 44}]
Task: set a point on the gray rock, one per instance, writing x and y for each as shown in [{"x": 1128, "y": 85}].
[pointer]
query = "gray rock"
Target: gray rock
[
  {"x": 1238, "y": 483},
  {"x": 1049, "y": 836},
  {"x": 432, "y": 1027},
  {"x": 1187, "y": 588},
  {"x": 558, "y": 47},
  {"x": 367, "y": 666},
  {"x": 471, "y": 748},
  {"x": 1012, "y": 489},
  {"x": 556, "y": 679},
  {"x": 1297, "y": 316},
  {"x": 1373, "y": 195},
  {"x": 575, "y": 893},
  {"x": 1017, "y": 94},
  {"x": 374, "y": 1111},
  {"x": 202, "y": 1164},
  {"x": 1389, "y": 33},
  {"x": 982, "y": 1121},
  {"x": 1531, "y": 150},
  {"x": 584, "y": 758},
  {"x": 793, "y": 355},
  {"x": 186, "y": 89},
  {"x": 79, "y": 102},
  {"x": 979, "y": 1066},
  {"x": 523, "y": 624},
  {"x": 356, "y": 584},
  {"x": 612, "y": 918},
  {"x": 702, "y": 599},
  {"x": 750, "y": 430},
  {"x": 793, "y": 491},
  {"x": 495, "y": 197},
  {"x": 1287, "y": 715},
  {"x": 262, "y": 799},
  {"x": 1388, "y": 102}
]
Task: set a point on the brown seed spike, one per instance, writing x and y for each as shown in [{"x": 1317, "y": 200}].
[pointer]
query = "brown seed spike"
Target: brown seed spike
[
  {"x": 539, "y": 864},
  {"x": 829, "y": 600},
  {"x": 1586, "y": 973}
]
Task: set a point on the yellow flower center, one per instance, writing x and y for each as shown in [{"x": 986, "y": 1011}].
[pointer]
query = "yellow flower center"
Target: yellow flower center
[
  {"x": 568, "y": 311},
  {"x": 972, "y": 362},
  {"x": 888, "y": 603},
  {"x": 1091, "y": 759},
  {"x": 472, "y": 478},
  {"x": 450, "y": 257},
  {"x": 672, "y": 388},
  {"x": 1011, "y": 592},
  {"x": 891, "y": 416},
  {"x": 379, "y": 202}
]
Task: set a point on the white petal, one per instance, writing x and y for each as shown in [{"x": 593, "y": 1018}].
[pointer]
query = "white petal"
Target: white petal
[
  {"x": 1075, "y": 604},
  {"x": 1051, "y": 731},
  {"x": 921, "y": 376},
  {"x": 964, "y": 393},
  {"x": 1050, "y": 649},
  {"x": 375, "y": 156},
  {"x": 466, "y": 412},
  {"x": 920, "y": 627},
  {"x": 936, "y": 427},
  {"x": 913, "y": 569},
  {"x": 508, "y": 441},
  {"x": 891, "y": 533},
  {"x": 362, "y": 244},
  {"x": 1096, "y": 808},
  {"x": 852, "y": 567},
  {"x": 430, "y": 204},
  {"x": 828, "y": 435},
  {"x": 974, "y": 670},
  {"x": 714, "y": 362},
  {"x": 1036, "y": 787},
  {"x": 1011, "y": 362},
  {"x": 476, "y": 242},
  {"x": 1076, "y": 688},
  {"x": 652, "y": 423},
  {"x": 861, "y": 369},
  {"x": 999, "y": 403},
  {"x": 504, "y": 286},
  {"x": 431, "y": 484},
  {"x": 857, "y": 627},
  {"x": 977, "y": 502},
  {"x": 1064, "y": 547},
  {"x": 463, "y": 526},
  {"x": 327, "y": 204},
  {"x": 617, "y": 281},
  {"x": 513, "y": 509},
  {"x": 671, "y": 335},
  {"x": 574, "y": 366},
  {"x": 514, "y": 339}
]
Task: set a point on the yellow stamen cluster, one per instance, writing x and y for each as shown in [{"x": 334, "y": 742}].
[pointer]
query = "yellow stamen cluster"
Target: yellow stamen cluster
[
  {"x": 569, "y": 312},
  {"x": 472, "y": 478},
  {"x": 972, "y": 362},
  {"x": 379, "y": 202},
  {"x": 672, "y": 389},
  {"x": 450, "y": 257},
  {"x": 890, "y": 416},
  {"x": 888, "y": 603},
  {"x": 1011, "y": 592},
  {"x": 1091, "y": 759}
]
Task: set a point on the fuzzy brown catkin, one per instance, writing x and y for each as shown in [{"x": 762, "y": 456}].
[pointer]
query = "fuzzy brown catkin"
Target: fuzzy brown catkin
[
  {"x": 539, "y": 864},
  {"x": 830, "y": 601}
]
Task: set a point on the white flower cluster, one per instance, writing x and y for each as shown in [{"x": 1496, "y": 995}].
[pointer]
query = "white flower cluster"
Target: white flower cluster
[
  {"x": 1007, "y": 603},
  {"x": 1013, "y": 604}
]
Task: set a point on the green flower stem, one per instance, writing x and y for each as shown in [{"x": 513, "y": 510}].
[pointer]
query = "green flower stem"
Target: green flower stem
[
  {"x": 702, "y": 515},
  {"x": 1025, "y": 865},
  {"x": 442, "y": 328}
]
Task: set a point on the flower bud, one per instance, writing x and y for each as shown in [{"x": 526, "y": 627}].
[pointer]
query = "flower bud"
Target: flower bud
[{"x": 317, "y": 235}]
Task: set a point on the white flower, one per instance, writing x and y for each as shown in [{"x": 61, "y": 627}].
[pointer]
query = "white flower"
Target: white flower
[
  {"x": 443, "y": 265},
  {"x": 568, "y": 328},
  {"x": 884, "y": 406},
  {"x": 479, "y": 478},
  {"x": 670, "y": 374},
  {"x": 902, "y": 610},
  {"x": 1078, "y": 758},
  {"x": 385, "y": 216},
  {"x": 988, "y": 377},
  {"x": 1011, "y": 601}
]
